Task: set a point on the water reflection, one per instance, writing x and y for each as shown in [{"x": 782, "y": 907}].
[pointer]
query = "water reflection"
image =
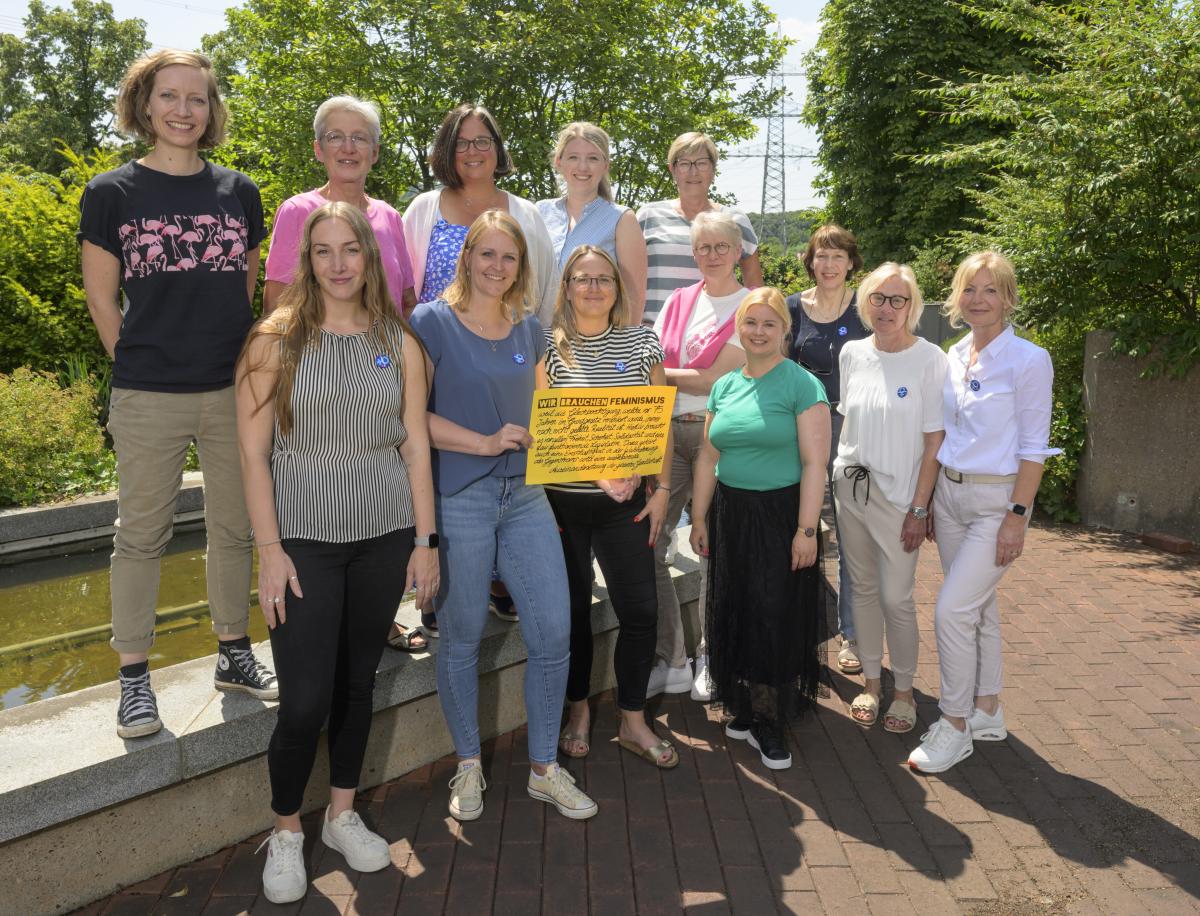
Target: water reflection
[{"x": 69, "y": 594}]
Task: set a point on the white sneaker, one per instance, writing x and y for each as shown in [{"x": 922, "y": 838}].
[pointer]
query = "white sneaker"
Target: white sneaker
[
  {"x": 941, "y": 747},
  {"x": 987, "y": 728},
  {"x": 665, "y": 679},
  {"x": 558, "y": 788},
  {"x": 284, "y": 877},
  {"x": 701, "y": 688},
  {"x": 363, "y": 849},
  {"x": 672, "y": 548},
  {"x": 466, "y": 791}
]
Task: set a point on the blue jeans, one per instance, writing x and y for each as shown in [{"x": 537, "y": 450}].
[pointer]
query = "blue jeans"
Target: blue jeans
[
  {"x": 500, "y": 523},
  {"x": 845, "y": 604}
]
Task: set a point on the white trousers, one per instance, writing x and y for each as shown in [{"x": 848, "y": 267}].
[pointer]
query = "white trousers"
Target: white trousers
[
  {"x": 882, "y": 575},
  {"x": 967, "y": 517}
]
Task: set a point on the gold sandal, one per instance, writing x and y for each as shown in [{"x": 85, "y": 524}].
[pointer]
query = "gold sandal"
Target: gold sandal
[{"x": 663, "y": 750}]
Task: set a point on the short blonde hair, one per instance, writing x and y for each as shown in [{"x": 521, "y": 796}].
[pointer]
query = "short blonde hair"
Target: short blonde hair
[
  {"x": 768, "y": 296},
  {"x": 133, "y": 97},
  {"x": 585, "y": 130},
  {"x": 1004, "y": 275},
  {"x": 691, "y": 143},
  {"x": 516, "y": 300},
  {"x": 368, "y": 111},
  {"x": 718, "y": 222},
  {"x": 876, "y": 279}
]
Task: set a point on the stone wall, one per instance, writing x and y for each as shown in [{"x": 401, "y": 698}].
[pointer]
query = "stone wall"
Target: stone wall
[{"x": 1141, "y": 467}]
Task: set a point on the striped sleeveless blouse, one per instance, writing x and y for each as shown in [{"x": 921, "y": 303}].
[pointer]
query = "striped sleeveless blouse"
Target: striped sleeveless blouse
[
  {"x": 338, "y": 474},
  {"x": 597, "y": 225}
]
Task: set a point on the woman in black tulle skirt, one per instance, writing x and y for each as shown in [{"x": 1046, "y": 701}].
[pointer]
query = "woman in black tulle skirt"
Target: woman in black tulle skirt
[{"x": 756, "y": 504}]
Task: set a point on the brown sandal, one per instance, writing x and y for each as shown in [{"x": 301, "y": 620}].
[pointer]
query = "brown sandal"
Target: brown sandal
[{"x": 408, "y": 640}]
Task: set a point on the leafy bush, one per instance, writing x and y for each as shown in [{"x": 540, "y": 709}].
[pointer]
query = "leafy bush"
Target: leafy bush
[
  {"x": 50, "y": 444},
  {"x": 42, "y": 305},
  {"x": 784, "y": 272}
]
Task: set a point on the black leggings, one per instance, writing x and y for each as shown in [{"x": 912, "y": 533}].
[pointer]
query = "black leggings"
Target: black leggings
[
  {"x": 326, "y": 654},
  {"x": 592, "y": 522}
]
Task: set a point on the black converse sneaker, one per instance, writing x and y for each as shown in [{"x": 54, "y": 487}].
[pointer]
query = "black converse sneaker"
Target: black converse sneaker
[
  {"x": 767, "y": 738},
  {"x": 238, "y": 669},
  {"x": 137, "y": 711}
]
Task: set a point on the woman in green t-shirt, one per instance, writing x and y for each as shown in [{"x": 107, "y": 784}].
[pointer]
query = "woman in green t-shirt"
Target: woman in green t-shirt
[{"x": 756, "y": 504}]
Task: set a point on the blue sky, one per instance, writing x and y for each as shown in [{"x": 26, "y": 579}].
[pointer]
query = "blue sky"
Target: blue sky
[{"x": 182, "y": 24}]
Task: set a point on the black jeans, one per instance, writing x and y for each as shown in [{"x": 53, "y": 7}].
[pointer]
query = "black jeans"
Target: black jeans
[
  {"x": 326, "y": 654},
  {"x": 592, "y": 522}
]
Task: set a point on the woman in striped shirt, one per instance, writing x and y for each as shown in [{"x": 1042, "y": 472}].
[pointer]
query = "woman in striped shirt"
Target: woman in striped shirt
[
  {"x": 331, "y": 400},
  {"x": 586, "y": 214},
  {"x": 592, "y": 343}
]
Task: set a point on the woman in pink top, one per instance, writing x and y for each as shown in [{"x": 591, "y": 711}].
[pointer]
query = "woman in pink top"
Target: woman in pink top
[
  {"x": 696, "y": 327},
  {"x": 347, "y": 144}
]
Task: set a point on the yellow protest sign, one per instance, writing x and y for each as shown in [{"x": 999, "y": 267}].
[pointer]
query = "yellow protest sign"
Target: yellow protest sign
[{"x": 597, "y": 433}]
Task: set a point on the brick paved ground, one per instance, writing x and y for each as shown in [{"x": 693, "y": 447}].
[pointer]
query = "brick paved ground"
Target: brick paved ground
[{"x": 1091, "y": 806}]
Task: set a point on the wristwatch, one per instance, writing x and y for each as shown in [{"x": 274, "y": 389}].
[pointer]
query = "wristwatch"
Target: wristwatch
[
  {"x": 428, "y": 540},
  {"x": 918, "y": 512},
  {"x": 1018, "y": 509},
  {"x": 808, "y": 532}
]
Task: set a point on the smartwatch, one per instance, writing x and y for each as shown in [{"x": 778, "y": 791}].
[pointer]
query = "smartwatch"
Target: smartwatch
[
  {"x": 1018, "y": 509},
  {"x": 428, "y": 540}
]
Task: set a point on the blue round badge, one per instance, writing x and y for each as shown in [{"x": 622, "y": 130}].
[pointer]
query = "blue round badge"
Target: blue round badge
[
  {"x": 902, "y": 392},
  {"x": 975, "y": 386},
  {"x": 382, "y": 361},
  {"x": 620, "y": 366},
  {"x": 843, "y": 331},
  {"x": 519, "y": 359}
]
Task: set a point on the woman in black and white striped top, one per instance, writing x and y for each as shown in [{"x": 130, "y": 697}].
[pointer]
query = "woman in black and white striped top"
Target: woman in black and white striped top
[
  {"x": 592, "y": 344},
  {"x": 331, "y": 396}
]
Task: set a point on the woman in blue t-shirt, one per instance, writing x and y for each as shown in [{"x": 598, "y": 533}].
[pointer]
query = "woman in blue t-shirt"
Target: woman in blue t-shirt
[
  {"x": 177, "y": 237},
  {"x": 756, "y": 506},
  {"x": 488, "y": 355}
]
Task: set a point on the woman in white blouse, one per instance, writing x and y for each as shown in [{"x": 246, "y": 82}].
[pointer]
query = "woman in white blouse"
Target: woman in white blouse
[
  {"x": 996, "y": 401},
  {"x": 883, "y": 478}
]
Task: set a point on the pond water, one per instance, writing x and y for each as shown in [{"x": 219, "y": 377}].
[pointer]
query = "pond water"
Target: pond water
[{"x": 61, "y": 605}]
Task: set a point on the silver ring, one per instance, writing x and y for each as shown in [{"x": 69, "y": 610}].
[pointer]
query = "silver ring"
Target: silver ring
[
  {"x": 293, "y": 579},
  {"x": 274, "y": 600}
]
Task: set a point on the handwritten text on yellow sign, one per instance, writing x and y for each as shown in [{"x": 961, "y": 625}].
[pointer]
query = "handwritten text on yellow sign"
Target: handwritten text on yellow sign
[{"x": 598, "y": 433}]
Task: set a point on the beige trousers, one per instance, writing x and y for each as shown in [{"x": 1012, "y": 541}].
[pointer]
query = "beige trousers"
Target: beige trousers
[
  {"x": 882, "y": 575},
  {"x": 688, "y": 437},
  {"x": 151, "y": 432},
  {"x": 967, "y": 517}
]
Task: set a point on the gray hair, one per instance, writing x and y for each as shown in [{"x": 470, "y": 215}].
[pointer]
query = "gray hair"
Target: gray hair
[
  {"x": 368, "y": 111},
  {"x": 718, "y": 222}
]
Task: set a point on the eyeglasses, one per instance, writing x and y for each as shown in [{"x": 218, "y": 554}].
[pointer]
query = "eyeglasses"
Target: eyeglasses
[
  {"x": 821, "y": 347},
  {"x": 697, "y": 165},
  {"x": 604, "y": 283},
  {"x": 720, "y": 249},
  {"x": 879, "y": 300},
  {"x": 483, "y": 144},
  {"x": 335, "y": 138}
]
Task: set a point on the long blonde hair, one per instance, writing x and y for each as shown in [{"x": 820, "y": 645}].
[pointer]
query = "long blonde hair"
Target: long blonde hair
[
  {"x": 296, "y": 322},
  {"x": 516, "y": 299},
  {"x": 565, "y": 331}
]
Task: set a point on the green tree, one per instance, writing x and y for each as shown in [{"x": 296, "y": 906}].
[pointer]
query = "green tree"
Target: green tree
[
  {"x": 57, "y": 85},
  {"x": 1094, "y": 190},
  {"x": 42, "y": 306},
  {"x": 646, "y": 70},
  {"x": 864, "y": 79}
]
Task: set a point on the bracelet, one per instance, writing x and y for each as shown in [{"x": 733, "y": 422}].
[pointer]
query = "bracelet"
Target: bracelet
[
  {"x": 261, "y": 544},
  {"x": 661, "y": 487}
]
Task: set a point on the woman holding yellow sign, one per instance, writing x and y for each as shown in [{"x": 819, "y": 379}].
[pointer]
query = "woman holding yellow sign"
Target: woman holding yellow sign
[
  {"x": 756, "y": 505},
  {"x": 592, "y": 343}
]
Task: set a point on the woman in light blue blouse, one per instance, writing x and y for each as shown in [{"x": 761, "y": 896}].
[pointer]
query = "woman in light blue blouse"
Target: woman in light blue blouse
[{"x": 586, "y": 214}]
